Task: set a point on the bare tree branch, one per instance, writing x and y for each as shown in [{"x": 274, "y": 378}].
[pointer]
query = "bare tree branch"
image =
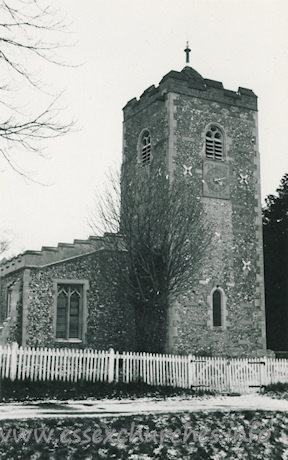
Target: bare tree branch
[
  {"x": 165, "y": 234},
  {"x": 4, "y": 245},
  {"x": 30, "y": 30}
]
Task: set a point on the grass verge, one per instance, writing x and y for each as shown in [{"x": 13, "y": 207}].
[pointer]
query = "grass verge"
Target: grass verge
[
  {"x": 27, "y": 390},
  {"x": 216, "y": 435},
  {"x": 277, "y": 390}
]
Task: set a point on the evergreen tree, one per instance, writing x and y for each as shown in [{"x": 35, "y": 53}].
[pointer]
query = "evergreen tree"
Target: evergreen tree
[{"x": 275, "y": 235}]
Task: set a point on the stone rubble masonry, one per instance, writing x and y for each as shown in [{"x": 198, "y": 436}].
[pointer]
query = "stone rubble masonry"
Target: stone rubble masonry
[
  {"x": 109, "y": 321},
  {"x": 50, "y": 254},
  {"x": 177, "y": 113}
]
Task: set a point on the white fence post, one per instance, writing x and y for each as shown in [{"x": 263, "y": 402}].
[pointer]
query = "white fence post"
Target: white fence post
[
  {"x": 190, "y": 371},
  {"x": 264, "y": 376},
  {"x": 13, "y": 365},
  {"x": 243, "y": 375},
  {"x": 111, "y": 365}
]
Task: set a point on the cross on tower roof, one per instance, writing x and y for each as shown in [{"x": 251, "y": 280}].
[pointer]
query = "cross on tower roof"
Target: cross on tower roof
[{"x": 187, "y": 51}]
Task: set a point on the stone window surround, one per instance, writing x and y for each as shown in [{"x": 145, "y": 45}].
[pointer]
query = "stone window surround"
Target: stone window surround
[
  {"x": 140, "y": 147},
  {"x": 223, "y": 309},
  {"x": 12, "y": 298},
  {"x": 9, "y": 295},
  {"x": 85, "y": 287},
  {"x": 224, "y": 140}
]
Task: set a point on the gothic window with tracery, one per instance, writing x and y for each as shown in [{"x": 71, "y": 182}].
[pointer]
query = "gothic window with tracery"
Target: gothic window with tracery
[
  {"x": 214, "y": 146},
  {"x": 69, "y": 310}
]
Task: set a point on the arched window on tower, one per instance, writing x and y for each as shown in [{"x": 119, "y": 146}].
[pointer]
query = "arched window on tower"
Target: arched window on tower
[
  {"x": 145, "y": 148},
  {"x": 214, "y": 143},
  {"x": 217, "y": 308}
]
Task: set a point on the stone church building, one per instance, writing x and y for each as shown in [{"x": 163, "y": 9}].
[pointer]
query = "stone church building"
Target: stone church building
[{"x": 195, "y": 130}]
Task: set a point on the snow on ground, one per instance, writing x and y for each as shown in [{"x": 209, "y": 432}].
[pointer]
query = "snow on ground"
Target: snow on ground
[{"x": 108, "y": 407}]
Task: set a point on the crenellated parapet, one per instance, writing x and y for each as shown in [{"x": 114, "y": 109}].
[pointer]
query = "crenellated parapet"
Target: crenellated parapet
[
  {"x": 49, "y": 255},
  {"x": 190, "y": 83}
]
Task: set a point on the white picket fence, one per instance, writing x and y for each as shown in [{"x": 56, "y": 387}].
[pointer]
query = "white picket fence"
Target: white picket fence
[{"x": 216, "y": 374}]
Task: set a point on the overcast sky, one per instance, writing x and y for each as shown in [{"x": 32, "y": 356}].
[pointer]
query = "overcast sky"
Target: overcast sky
[{"x": 125, "y": 46}]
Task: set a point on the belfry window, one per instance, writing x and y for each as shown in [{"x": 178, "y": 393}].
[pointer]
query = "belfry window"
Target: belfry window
[
  {"x": 214, "y": 143},
  {"x": 217, "y": 308},
  {"x": 145, "y": 148},
  {"x": 69, "y": 311}
]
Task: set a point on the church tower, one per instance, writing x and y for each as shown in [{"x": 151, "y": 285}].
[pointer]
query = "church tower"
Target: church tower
[{"x": 193, "y": 128}]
